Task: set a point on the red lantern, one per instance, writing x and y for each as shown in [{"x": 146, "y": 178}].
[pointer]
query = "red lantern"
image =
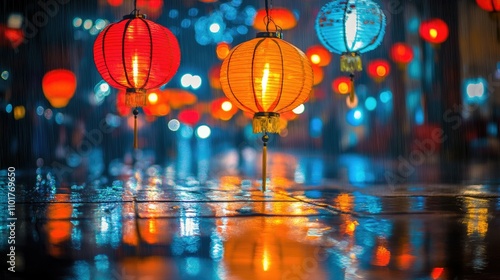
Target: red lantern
[
  {"x": 378, "y": 69},
  {"x": 319, "y": 55},
  {"x": 59, "y": 86},
  {"x": 434, "y": 31},
  {"x": 401, "y": 53},
  {"x": 136, "y": 54},
  {"x": 281, "y": 17},
  {"x": 489, "y": 5},
  {"x": 342, "y": 85}
]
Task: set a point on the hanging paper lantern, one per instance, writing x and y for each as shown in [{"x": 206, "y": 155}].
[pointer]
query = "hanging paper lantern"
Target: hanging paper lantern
[
  {"x": 319, "y": 55},
  {"x": 378, "y": 69},
  {"x": 281, "y": 17},
  {"x": 401, "y": 53},
  {"x": 266, "y": 76},
  {"x": 342, "y": 85},
  {"x": 350, "y": 28},
  {"x": 59, "y": 86},
  {"x": 136, "y": 54},
  {"x": 434, "y": 31}
]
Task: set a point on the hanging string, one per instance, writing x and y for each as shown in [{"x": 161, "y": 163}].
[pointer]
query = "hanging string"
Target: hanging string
[
  {"x": 265, "y": 138},
  {"x": 136, "y": 112}
]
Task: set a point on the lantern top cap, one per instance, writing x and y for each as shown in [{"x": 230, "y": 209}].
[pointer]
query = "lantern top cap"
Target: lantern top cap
[
  {"x": 276, "y": 34},
  {"x": 134, "y": 14}
]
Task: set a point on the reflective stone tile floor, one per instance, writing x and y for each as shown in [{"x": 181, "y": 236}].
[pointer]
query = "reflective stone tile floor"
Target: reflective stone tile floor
[{"x": 148, "y": 226}]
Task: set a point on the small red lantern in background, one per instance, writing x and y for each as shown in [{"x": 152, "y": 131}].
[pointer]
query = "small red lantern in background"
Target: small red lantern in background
[
  {"x": 281, "y": 17},
  {"x": 434, "y": 31},
  {"x": 401, "y": 53},
  {"x": 342, "y": 85},
  {"x": 319, "y": 55},
  {"x": 379, "y": 69},
  {"x": 492, "y": 6},
  {"x": 59, "y": 86}
]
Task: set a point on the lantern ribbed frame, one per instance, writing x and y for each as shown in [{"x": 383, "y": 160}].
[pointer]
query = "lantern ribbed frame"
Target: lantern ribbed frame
[
  {"x": 266, "y": 76},
  {"x": 136, "y": 54}
]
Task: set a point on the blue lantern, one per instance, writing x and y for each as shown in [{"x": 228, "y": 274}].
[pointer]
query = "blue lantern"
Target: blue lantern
[{"x": 350, "y": 28}]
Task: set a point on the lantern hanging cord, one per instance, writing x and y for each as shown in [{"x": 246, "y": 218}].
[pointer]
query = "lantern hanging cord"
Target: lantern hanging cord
[
  {"x": 136, "y": 112},
  {"x": 268, "y": 19},
  {"x": 265, "y": 138}
]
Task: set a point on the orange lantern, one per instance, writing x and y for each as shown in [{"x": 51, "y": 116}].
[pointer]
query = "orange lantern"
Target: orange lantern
[
  {"x": 342, "y": 85},
  {"x": 59, "y": 86},
  {"x": 189, "y": 117},
  {"x": 318, "y": 74},
  {"x": 401, "y": 53},
  {"x": 378, "y": 69},
  {"x": 319, "y": 55},
  {"x": 434, "y": 31},
  {"x": 281, "y": 17}
]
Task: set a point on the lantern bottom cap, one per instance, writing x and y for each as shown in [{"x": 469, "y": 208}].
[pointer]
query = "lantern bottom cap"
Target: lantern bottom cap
[{"x": 266, "y": 122}]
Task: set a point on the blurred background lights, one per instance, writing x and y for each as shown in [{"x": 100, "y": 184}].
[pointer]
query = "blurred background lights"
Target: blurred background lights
[
  {"x": 193, "y": 81},
  {"x": 370, "y": 103},
  {"x": 8, "y": 108},
  {"x": 203, "y": 132},
  {"x": 5, "y": 75},
  {"x": 39, "y": 110},
  {"x": 174, "y": 125},
  {"x": 475, "y": 90},
  {"x": 15, "y": 21},
  {"x": 214, "y": 27},
  {"x": 77, "y": 22},
  {"x": 300, "y": 109},
  {"x": 87, "y": 24},
  {"x": 153, "y": 98},
  {"x": 355, "y": 117},
  {"x": 226, "y": 106},
  {"x": 385, "y": 96}
]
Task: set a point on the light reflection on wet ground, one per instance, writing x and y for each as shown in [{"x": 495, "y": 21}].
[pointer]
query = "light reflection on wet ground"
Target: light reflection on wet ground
[{"x": 148, "y": 225}]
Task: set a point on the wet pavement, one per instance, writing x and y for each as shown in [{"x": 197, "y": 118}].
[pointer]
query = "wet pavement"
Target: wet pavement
[{"x": 147, "y": 223}]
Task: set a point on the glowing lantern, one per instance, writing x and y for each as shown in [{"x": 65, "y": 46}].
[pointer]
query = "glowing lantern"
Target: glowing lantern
[
  {"x": 281, "y": 17},
  {"x": 189, "y": 117},
  {"x": 222, "y": 50},
  {"x": 492, "y": 6},
  {"x": 266, "y": 76},
  {"x": 350, "y": 28},
  {"x": 319, "y": 55},
  {"x": 401, "y": 53},
  {"x": 136, "y": 54},
  {"x": 341, "y": 85},
  {"x": 59, "y": 86},
  {"x": 434, "y": 31},
  {"x": 378, "y": 69}
]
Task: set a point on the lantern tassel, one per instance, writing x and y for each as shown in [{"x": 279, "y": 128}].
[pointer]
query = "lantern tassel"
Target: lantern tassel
[
  {"x": 351, "y": 92},
  {"x": 136, "y": 112},
  {"x": 265, "y": 138}
]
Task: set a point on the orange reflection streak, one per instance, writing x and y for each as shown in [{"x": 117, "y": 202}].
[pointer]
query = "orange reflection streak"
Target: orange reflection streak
[{"x": 59, "y": 226}]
